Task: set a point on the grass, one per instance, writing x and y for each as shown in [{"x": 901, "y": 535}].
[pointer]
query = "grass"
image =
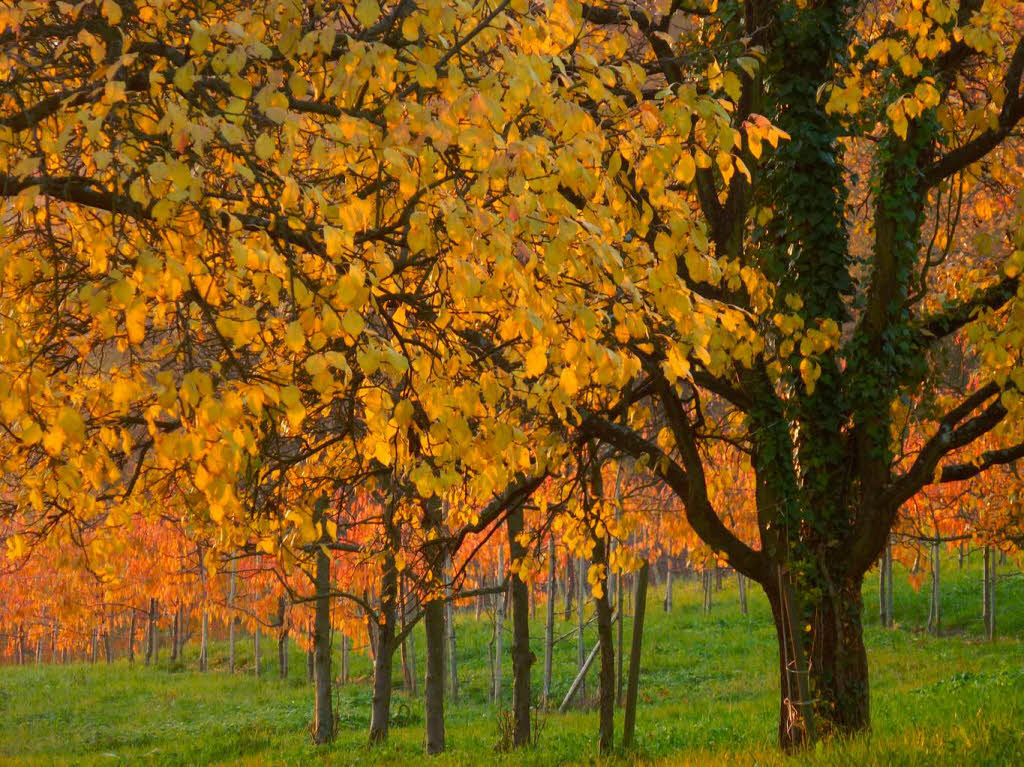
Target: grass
[{"x": 708, "y": 696}]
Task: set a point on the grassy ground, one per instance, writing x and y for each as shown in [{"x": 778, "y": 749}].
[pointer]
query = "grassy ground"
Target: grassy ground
[{"x": 708, "y": 695}]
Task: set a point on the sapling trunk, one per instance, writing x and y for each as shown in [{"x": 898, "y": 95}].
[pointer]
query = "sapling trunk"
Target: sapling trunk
[
  {"x": 633, "y": 685},
  {"x": 549, "y": 623}
]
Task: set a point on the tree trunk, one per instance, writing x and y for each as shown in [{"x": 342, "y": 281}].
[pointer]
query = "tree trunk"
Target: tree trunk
[
  {"x": 131, "y": 637},
  {"x": 184, "y": 632},
  {"x": 620, "y": 631},
  {"x": 882, "y": 607},
  {"x": 175, "y": 628},
  {"x": 885, "y": 611},
  {"x": 549, "y": 623},
  {"x": 499, "y": 630},
  {"x": 257, "y": 665},
  {"x": 433, "y": 685},
  {"x": 92, "y": 649},
  {"x": 408, "y": 659},
  {"x": 383, "y": 660},
  {"x": 323, "y": 715},
  {"x": 632, "y": 687},
  {"x": 606, "y": 671},
  {"x": 935, "y": 611},
  {"x": 741, "y": 585},
  {"x": 522, "y": 657},
  {"x": 826, "y": 690},
  {"x": 581, "y": 648},
  {"x": 151, "y": 632},
  {"x": 988, "y": 594},
  {"x": 668, "y": 585},
  {"x": 890, "y": 612},
  {"x": 204, "y": 647},
  {"x": 344, "y": 658},
  {"x": 449, "y": 610},
  {"x": 231, "y": 619},
  {"x": 570, "y": 585}
]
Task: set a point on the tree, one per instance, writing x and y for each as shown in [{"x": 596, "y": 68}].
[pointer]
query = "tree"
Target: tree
[{"x": 808, "y": 321}]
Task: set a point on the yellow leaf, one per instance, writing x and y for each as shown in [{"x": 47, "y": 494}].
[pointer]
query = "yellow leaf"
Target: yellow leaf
[
  {"x": 367, "y": 12},
  {"x": 568, "y": 381},
  {"x": 112, "y": 11},
  {"x": 353, "y": 322},
  {"x": 536, "y": 361}
]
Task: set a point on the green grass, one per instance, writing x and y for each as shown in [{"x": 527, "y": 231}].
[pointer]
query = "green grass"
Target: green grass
[{"x": 708, "y": 696}]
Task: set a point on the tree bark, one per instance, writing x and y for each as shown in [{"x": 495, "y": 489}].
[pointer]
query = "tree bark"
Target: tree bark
[
  {"x": 433, "y": 685},
  {"x": 131, "y": 638},
  {"x": 174, "y": 634},
  {"x": 668, "y": 585},
  {"x": 606, "y": 671},
  {"x": 257, "y": 665},
  {"x": 453, "y": 667},
  {"x": 499, "y": 631},
  {"x": 231, "y": 619},
  {"x": 633, "y": 685},
  {"x": 323, "y": 714},
  {"x": 344, "y": 658},
  {"x": 522, "y": 656},
  {"x": 570, "y": 585},
  {"x": 383, "y": 660},
  {"x": 204, "y": 648},
  {"x": 581, "y": 648},
  {"x": 988, "y": 594},
  {"x": 151, "y": 632},
  {"x": 824, "y": 690},
  {"x": 549, "y": 623},
  {"x": 408, "y": 661},
  {"x": 935, "y": 609}
]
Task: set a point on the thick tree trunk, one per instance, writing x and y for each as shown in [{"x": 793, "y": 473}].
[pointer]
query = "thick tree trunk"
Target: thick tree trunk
[
  {"x": 383, "y": 660},
  {"x": 323, "y": 714},
  {"x": 549, "y": 623},
  {"x": 433, "y": 685},
  {"x": 606, "y": 671},
  {"x": 522, "y": 657},
  {"x": 632, "y": 687},
  {"x": 823, "y": 682}
]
